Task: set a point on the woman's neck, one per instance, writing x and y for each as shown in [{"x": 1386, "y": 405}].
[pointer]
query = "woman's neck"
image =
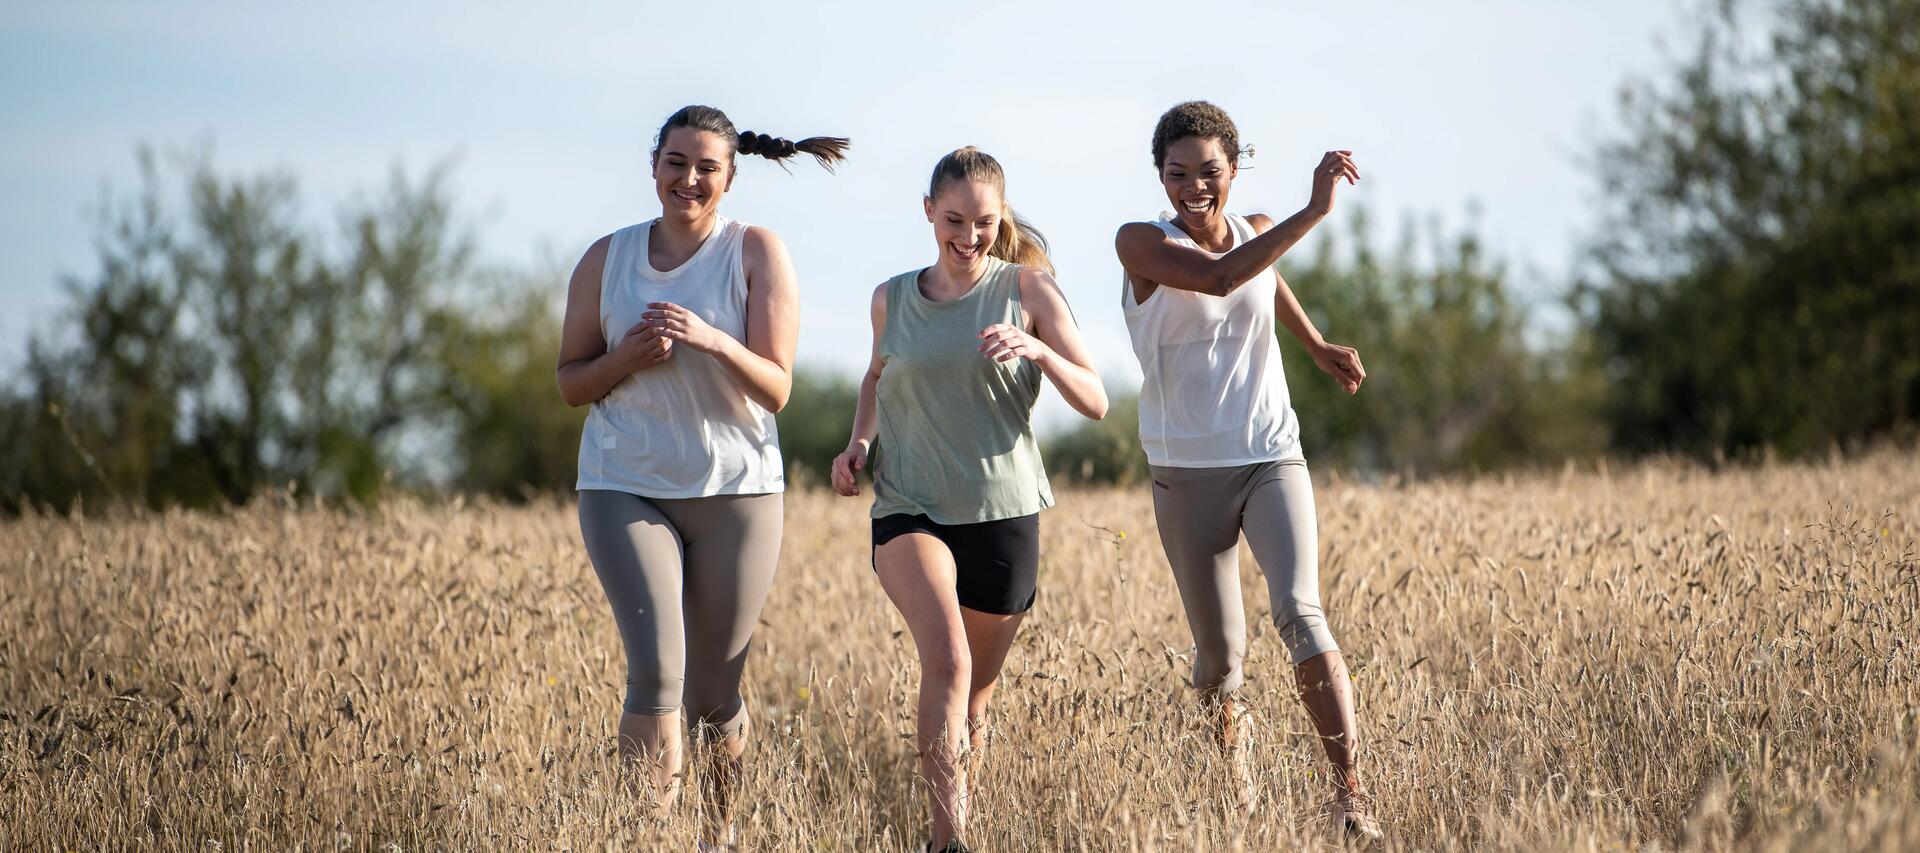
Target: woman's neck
[
  {"x": 1215, "y": 237},
  {"x": 948, "y": 280},
  {"x": 671, "y": 242}
]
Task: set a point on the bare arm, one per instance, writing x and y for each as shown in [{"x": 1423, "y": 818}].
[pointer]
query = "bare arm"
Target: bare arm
[
  {"x": 1340, "y": 362},
  {"x": 1052, "y": 342},
  {"x": 866, "y": 413},
  {"x": 1150, "y": 255},
  {"x": 587, "y": 370},
  {"x": 763, "y": 365}
]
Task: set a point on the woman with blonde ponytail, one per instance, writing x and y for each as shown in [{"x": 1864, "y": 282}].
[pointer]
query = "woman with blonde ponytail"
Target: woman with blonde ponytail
[
  {"x": 945, "y": 414},
  {"x": 679, "y": 332}
]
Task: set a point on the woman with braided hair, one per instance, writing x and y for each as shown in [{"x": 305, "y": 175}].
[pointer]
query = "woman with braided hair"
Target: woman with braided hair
[
  {"x": 680, "y": 333},
  {"x": 1203, "y": 303}
]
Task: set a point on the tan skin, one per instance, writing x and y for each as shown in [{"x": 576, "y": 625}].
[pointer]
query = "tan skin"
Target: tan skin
[
  {"x": 1198, "y": 176},
  {"x": 692, "y": 171},
  {"x": 961, "y": 650}
]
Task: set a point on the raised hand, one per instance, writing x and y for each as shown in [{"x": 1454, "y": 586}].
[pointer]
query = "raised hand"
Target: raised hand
[{"x": 1334, "y": 165}]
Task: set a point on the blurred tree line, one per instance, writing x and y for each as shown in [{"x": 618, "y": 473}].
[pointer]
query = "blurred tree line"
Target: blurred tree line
[
  {"x": 1754, "y": 283},
  {"x": 1756, "y": 280}
]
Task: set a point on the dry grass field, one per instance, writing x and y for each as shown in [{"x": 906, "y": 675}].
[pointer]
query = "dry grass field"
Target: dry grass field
[{"x": 1656, "y": 657}]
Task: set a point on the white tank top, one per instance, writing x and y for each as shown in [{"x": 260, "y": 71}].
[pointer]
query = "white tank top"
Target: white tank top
[
  {"x": 682, "y": 428},
  {"x": 1213, "y": 394}
]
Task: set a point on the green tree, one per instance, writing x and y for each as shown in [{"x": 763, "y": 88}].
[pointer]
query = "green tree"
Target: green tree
[
  {"x": 1102, "y": 451},
  {"x": 816, "y": 422},
  {"x": 1452, "y": 382},
  {"x": 220, "y": 350},
  {"x": 508, "y": 432},
  {"x": 1755, "y": 280}
]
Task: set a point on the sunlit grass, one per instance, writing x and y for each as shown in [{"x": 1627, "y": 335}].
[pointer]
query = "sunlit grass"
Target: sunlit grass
[{"x": 1657, "y": 655}]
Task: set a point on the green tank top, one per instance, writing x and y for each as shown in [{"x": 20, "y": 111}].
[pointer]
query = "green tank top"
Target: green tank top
[{"x": 956, "y": 430}]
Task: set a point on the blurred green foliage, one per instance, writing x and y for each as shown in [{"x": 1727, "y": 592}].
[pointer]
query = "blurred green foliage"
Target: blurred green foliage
[
  {"x": 225, "y": 346},
  {"x": 1103, "y": 451},
  {"x": 1756, "y": 280},
  {"x": 1452, "y": 382},
  {"x": 816, "y": 423}
]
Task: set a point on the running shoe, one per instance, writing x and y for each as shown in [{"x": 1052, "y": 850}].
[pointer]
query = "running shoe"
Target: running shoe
[{"x": 1353, "y": 816}]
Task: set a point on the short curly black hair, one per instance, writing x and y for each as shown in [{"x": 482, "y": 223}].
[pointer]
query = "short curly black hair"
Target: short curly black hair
[{"x": 1195, "y": 118}]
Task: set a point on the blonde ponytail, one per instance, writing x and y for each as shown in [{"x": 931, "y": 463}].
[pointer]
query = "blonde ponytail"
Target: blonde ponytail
[{"x": 1018, "y": 242}]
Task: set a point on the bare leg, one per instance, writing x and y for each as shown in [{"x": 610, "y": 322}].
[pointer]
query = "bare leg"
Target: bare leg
[
  {"x": 1328, "y": 695},
  {"x": 989, "y": 638},
  {"x": 721, "y": 780},
  {"x": 917, "y": 572},
  {"x": 654, "y": 743}
]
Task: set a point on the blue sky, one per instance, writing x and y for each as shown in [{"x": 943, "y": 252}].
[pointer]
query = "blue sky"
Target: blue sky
[{"x": 549, "y": 110}]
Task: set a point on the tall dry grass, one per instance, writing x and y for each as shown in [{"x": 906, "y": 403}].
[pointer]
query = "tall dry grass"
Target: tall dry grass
[{"x": 1659, "y": 656}]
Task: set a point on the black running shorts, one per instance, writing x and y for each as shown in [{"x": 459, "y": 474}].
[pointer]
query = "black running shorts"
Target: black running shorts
[{"x": 996, "y": 563}]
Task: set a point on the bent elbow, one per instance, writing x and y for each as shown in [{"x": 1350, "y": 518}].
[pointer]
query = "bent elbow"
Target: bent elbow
[
  {"x": 1221, "y": 284},
  {"x": 574, "y": 399},
  {"x": 779, "y": 396},
  {"x": 1095, "y": 409}
]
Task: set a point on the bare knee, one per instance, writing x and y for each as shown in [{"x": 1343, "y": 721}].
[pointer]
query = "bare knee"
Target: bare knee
[{"x": 949, "y": 667}]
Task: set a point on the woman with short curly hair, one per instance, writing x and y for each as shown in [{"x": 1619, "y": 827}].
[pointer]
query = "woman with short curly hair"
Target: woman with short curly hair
[{"x": 1203, "y": 302}]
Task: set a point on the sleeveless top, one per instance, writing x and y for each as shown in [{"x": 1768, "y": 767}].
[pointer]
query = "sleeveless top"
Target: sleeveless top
[
  {"x": 682, "y": 428},
  {"x": 1213, "y": 393},
  {"x": 956, "y": 433}
]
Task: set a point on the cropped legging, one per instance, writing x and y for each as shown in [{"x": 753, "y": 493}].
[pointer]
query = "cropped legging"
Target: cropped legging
[
  {"x": 687, "y": 578},
  {"x": 1201, "y": 513}
]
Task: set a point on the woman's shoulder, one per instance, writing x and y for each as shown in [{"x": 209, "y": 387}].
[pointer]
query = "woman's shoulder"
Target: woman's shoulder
[
  {"x": 626, "y": 231},
  {"x": 1161, "y": 224},
  {"x": 757, "y": 242},
  {"x": 1031, "y": 279}
]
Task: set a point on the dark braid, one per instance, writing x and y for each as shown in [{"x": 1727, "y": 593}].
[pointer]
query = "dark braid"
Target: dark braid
[{"x": 825, "y": 149}]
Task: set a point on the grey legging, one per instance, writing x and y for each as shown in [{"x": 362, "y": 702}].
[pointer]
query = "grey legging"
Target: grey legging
[
  {"x": 686, "y": 578},
  {"x": 1201, "y": 513}
]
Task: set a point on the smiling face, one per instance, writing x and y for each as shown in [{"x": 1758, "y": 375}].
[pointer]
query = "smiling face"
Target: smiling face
[
  {"x": 966, "y": 217},
  {"x": 691, "y": 171},
  {"x": 1197, "y": 175}
]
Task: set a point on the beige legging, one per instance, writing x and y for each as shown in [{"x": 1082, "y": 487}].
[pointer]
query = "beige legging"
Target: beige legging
[
  {"x": 687, "y": 578},
  {"x": 1201, "y": 513}
]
